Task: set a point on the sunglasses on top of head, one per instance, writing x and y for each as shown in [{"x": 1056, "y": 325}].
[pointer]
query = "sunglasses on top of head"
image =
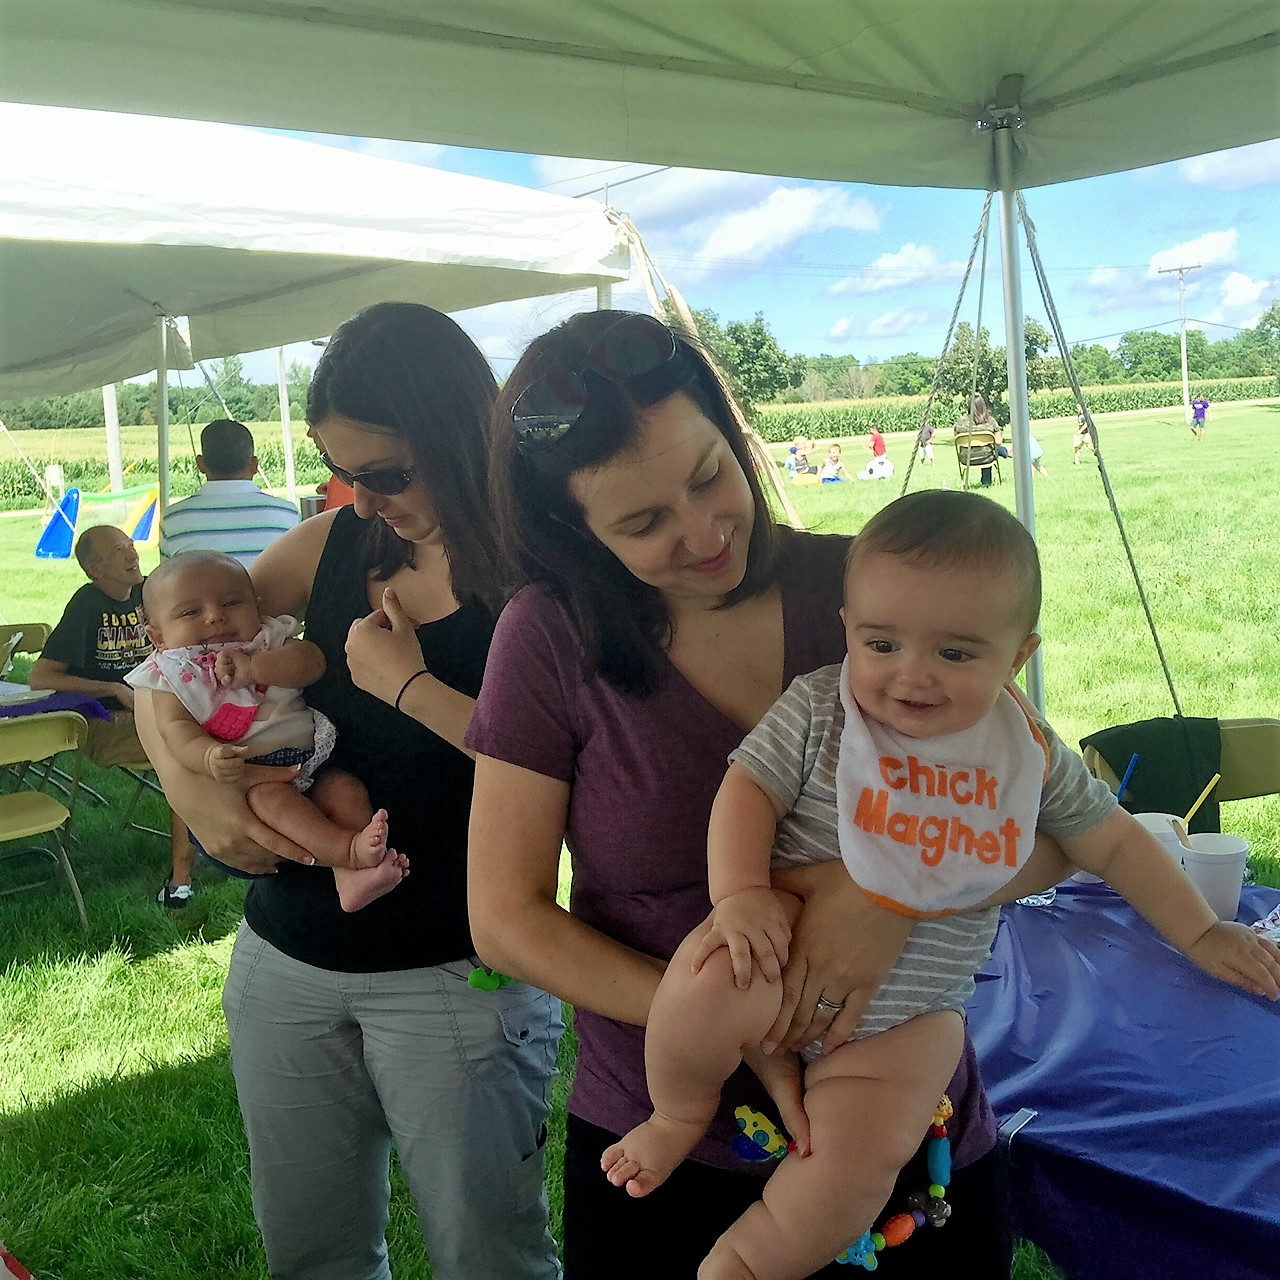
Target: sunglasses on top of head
[
  {"x": 387, "y": 481},
  {"x": 550, "y": 406}
]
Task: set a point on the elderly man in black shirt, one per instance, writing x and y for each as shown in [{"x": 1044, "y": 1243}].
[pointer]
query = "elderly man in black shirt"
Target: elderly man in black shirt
[{"x": 99, "y": 639}]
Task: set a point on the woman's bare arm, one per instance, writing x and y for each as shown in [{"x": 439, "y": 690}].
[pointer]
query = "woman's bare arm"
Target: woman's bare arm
[
  {"x": 517, "y": 826},
  {"x": 285, "y": 572}
]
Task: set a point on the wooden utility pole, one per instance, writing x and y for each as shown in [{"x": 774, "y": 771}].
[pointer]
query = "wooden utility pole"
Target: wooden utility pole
[{"x": 1182, "y": 319}]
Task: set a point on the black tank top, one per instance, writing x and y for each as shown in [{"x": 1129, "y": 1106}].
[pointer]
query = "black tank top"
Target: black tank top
[{"x": 423, "y": 783}]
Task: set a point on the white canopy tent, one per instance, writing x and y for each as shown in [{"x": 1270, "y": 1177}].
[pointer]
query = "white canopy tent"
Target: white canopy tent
[
  {"x": 992, "y": 95},
  {"x": 108, "y": 223}
]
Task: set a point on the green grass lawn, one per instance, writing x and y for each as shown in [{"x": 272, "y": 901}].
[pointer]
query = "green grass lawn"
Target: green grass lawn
[{"x": 121, "y": 1151}]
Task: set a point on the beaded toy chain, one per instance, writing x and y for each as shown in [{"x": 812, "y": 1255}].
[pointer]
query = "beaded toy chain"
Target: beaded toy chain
[{"x": 762, "y": 1140}]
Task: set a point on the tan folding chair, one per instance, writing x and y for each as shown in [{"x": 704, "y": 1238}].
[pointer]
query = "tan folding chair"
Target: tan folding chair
[
  {"x": 976, "y": 448},
  {"x": 22, "y": 637},
  {"x": 1250, "y": 760},
  {"x": 26, "y": 813}
]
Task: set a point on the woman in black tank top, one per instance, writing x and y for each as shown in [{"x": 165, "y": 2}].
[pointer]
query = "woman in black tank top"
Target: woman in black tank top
[{"x": 351, "y": 1031}]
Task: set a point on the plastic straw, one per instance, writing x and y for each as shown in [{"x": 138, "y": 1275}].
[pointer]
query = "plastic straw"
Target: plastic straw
[
  {"x": 1201, "y": 798},
  {"x": 1128, "y": 773}
]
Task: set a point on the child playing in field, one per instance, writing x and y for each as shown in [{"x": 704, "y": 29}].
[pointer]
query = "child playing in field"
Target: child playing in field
[
  {"x": 918, "y": 764},
  {"x": 832, "y": 469},
  {"x": 228, "y": 682}
]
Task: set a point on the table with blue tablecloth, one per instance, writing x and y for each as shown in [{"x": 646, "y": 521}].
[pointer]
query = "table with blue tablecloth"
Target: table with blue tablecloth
[
  {"x": 19, "y": 700},
  {"x": 1154, "y": 1150}
]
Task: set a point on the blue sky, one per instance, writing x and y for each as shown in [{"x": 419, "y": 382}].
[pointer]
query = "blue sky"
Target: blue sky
[{"x": 874, "y": 271}]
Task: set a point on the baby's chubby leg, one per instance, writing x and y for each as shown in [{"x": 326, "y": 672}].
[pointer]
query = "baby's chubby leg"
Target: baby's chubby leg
[
  {"x": 869, "y": 1106},
  {"x": 334, "y": 824},
  {"x": 699, "y": 1026}
]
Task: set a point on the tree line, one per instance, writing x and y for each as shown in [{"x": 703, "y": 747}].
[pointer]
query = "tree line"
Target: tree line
[
  {"x": 138, "y": 403},
  {"x": 758, "y": 369}
]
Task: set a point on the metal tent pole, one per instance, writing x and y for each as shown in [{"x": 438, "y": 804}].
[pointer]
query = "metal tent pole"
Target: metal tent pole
[
  {"x": 286, "y": 427},
  {"x": 1019, "y": 412},
  {"x": 162, "y": 416}
]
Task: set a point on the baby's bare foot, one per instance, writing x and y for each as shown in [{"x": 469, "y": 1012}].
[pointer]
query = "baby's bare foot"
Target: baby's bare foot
[
  {"x": 357, "y": 889},
  {"x": 369, "y": 847},
  {"x": 646, "y": 1156}
]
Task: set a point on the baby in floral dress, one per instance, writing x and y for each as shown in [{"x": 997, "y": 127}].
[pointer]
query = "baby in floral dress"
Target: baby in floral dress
[{"x": 228, "y": 683}]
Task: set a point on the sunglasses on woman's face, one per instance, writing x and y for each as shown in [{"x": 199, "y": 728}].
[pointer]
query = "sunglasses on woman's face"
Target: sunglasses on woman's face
[
  {"x": 387, "y": 481},
  {"x": 548, "y": 408}
]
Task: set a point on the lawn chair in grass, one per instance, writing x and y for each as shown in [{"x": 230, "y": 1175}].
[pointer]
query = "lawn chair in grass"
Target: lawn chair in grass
[
  {"x": 976, "y": 448},
  {"x": 26, "y": 813}
]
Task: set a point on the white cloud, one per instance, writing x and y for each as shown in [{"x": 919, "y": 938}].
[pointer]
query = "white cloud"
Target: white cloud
[
  {"x": 1238, "y": 290},
  {"x": 909, "y": 265},
  {"x": 1240, "y": 303},
  {"x": 894, "y": 323},
  {"x": 655, "y": 198},
  {"x": 786, "y": 215},
  {"x": 1234, "y": 170},
  {"x": 1210, "y": 249},
  {"x": 841, "y": 330},
  {"x": 697, "y": 220},
  {"x": 1104, "y": 278}
]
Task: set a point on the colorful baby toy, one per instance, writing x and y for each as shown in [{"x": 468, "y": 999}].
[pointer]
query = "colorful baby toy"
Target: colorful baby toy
[
  {"x": 926, "y": 1206},
  {"x": 761, "y": 1139}
]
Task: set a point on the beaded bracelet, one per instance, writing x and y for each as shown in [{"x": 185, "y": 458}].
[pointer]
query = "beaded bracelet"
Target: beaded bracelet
[{"x": 407, "y": 683}]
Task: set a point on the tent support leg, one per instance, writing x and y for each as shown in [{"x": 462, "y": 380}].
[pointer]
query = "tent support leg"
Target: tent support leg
[
  {"x": 162, "y": 416},
  {"x": 1019, "y": 411}
]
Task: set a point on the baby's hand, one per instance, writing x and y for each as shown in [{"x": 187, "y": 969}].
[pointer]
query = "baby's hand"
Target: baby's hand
[
  {"x": 233, "y": 669},
  {"x": 224, "y": 763},
  {"x": 1236, "y": 954},
  {"x": 750, "y": 923}
]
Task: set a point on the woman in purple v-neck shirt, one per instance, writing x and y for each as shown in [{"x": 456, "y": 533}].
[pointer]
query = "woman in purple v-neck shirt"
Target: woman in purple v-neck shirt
[{"x": 663, "y": 613}]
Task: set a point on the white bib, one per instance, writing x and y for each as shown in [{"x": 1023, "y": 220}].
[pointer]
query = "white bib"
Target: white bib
[{"x": 931, "y": 826}]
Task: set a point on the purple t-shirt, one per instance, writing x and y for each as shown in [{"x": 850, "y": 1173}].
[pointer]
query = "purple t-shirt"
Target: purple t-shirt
[{"x": 643, "y": 773}]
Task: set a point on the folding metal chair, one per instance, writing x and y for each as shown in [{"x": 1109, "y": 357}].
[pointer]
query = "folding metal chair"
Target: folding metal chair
[
  {"x": 976, "y": 448},
  {"x": 27, "y": 813},
  {"x": 1249, "y": 762}
]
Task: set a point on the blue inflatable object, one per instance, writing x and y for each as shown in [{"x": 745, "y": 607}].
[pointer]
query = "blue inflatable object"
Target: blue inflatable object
[{"x": 55, "y": 542}]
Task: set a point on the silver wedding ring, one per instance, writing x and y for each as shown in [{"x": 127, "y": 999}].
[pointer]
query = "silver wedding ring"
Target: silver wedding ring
[{"x": 828, "y": 1006}]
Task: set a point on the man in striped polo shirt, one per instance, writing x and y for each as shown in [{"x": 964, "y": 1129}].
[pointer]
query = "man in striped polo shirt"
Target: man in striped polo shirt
[{"x": 228, "y": 513}]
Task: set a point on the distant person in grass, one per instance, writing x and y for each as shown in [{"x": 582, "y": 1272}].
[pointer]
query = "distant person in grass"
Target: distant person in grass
[
  {"x": 924, "y": 443},
  {"x": 101, "y": 637},
  {"x": 1199, "y": 416},
  {"x": 225, "y": 678},
  {"x": 228, "y": 512},
  {"x": 832, "y": 469},
  {"x": 1082, "y": 438},
  {"x": 917, "y": 764}
]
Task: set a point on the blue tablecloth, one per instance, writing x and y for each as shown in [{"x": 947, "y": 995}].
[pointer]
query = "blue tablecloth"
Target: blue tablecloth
[
  {"x": 88, "y": 707},
  {"x": 1155, "y": 1150}
]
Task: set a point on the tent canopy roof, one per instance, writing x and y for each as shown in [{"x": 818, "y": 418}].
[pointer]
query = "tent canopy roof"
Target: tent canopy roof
[
  {"x": 107, "y": 219},
  {"x": 859, "y": 90}
]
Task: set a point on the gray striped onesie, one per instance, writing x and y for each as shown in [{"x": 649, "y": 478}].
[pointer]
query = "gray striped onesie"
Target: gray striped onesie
[{"x": 792, "y": 754}]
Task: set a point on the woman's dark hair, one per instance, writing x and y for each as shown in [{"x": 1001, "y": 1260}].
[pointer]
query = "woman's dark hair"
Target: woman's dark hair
[
  {"x": 623, "y": 623},
  {"x": 412, "y": 372},
  {"x": 978, "y": 411}
]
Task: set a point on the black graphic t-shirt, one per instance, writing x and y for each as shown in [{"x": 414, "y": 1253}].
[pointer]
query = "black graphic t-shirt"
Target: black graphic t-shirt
[{"x": 100, "y": 638}]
